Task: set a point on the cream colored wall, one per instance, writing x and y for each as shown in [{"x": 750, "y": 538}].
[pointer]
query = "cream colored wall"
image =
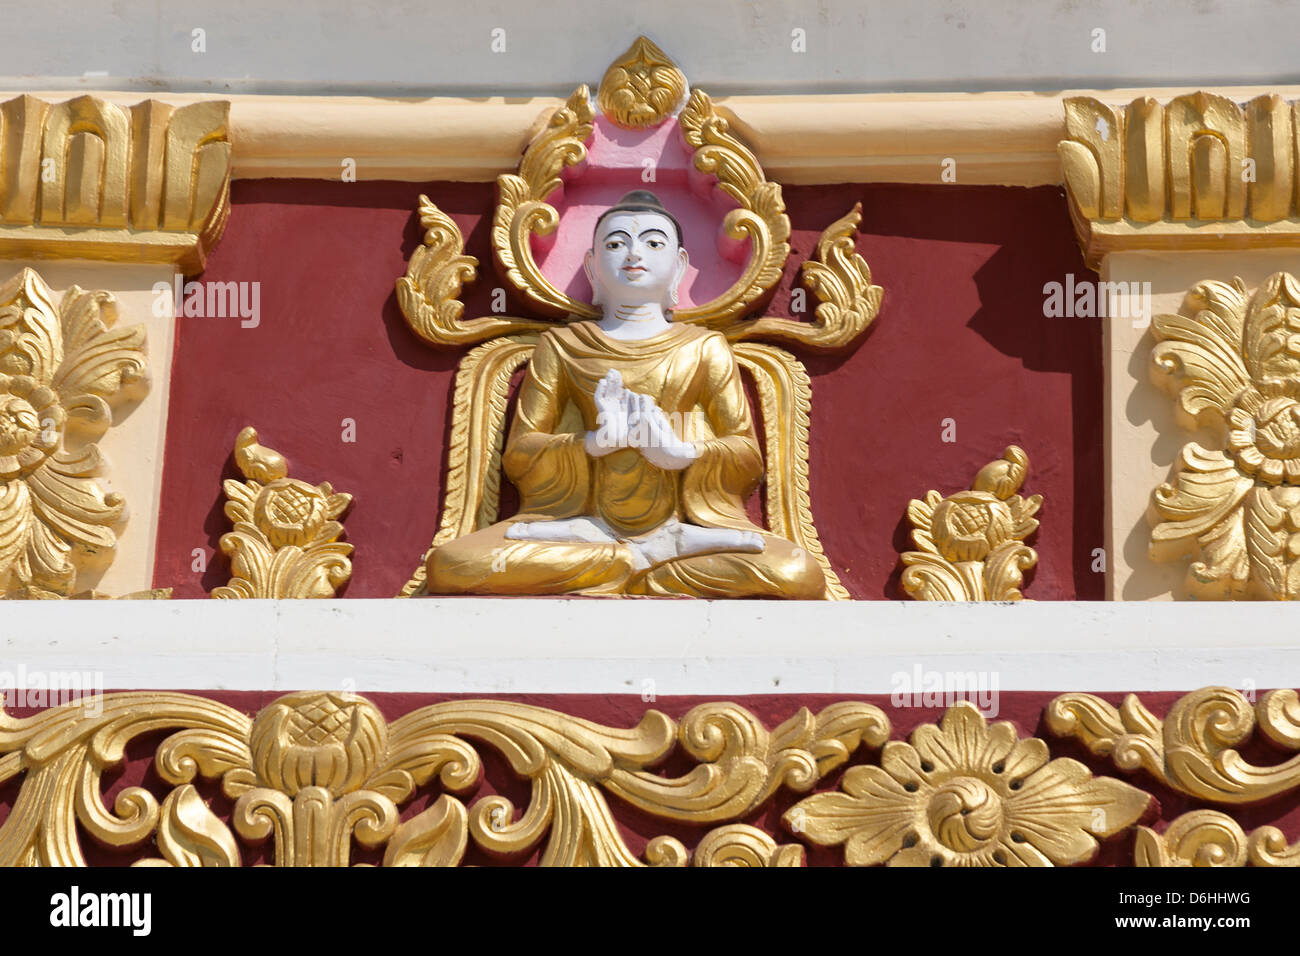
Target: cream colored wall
[
  {"x": 1143, "y": 436},
  {"x": 133, "y": 445}
]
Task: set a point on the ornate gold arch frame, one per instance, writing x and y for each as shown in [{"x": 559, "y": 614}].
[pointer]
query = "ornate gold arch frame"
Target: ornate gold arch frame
[{"x": 637, "y": 91}]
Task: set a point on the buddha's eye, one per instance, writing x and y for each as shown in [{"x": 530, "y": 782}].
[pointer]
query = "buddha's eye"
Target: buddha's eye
[
  {"x": 613, "y": 244},
  {"x": 655, "y": 243}
]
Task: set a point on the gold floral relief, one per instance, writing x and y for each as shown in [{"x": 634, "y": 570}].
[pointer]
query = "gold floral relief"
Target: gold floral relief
[
  {"x": 320, "y": 774},
  {"x": 1228, "y": 359},
  {"x": 62, "y": 369},
  {"x": 972, "y": 542},
  {"x": 967, "y": 794},
  {"x": 285, "y": 538}
]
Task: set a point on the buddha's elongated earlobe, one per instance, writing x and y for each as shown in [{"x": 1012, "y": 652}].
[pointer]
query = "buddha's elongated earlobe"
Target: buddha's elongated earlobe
[
  {"x": 591, "y": 277},
  {"x": 682, "y": 262}
]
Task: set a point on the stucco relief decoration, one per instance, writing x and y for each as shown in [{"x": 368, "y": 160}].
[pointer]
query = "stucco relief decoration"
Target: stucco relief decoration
[
  {"x": 285, "y": 538},
  {"x": 972, "y": 542},
  {"x": 63, "y": 367},
  {"x": 709, "y": 446},
  {"x": 323, "y": 773},
  {"x": 1231, "y": 361}
]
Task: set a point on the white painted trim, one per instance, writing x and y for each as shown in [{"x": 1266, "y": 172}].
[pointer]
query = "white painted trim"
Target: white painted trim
[{"x": 489, "y": 646}]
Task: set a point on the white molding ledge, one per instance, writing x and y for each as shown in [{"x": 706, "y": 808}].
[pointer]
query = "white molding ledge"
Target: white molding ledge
[
  {"x": 490, "y": 646},
  {"x": 995, "y": 138}
]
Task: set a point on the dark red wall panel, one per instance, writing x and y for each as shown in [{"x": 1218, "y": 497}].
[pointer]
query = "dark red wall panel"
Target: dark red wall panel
[{"x": 961, "y": 335}]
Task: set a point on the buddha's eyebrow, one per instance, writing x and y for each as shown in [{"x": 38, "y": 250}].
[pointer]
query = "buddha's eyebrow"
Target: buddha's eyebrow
[
  {"x": 646, "y": 232},
  {"x": 617, "y": 232}
]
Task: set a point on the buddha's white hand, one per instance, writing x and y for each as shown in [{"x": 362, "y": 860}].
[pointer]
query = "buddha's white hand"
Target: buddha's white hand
[
  {"x": 612, "y": 414},
  {"x": 651, "y": 433}
]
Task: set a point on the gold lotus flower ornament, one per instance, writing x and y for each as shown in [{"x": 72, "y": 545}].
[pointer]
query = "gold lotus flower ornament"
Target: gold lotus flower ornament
[
  {"x": 314, "y": 739},
  {"x": 60, "y": 367},
  {"x": 972, "y": 542},
  {"x": 1232, "y": 361},
  {"x": 285, "y": 540},
  {"x": 967, "y": 794}
]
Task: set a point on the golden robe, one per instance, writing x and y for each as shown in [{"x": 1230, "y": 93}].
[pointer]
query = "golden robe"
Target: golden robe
[{"x": 692, "y": 373}]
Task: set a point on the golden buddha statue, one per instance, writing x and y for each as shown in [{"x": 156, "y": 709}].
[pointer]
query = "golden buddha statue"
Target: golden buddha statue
[{"x": 633, "y": 449}]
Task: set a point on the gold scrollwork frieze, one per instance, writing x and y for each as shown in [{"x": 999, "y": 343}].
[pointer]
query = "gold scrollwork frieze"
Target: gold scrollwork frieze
[{"x": 322, "y": 773}]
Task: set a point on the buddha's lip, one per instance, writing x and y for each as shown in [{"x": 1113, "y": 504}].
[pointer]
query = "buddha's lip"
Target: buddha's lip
[{"x": 634, "y": 269}]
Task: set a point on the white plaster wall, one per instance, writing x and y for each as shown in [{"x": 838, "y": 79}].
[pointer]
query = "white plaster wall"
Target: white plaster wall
[
  {"x": 133, "y": 445},
  {"x": 474, "y": 645},
  {"x": 415, "y": 47}
]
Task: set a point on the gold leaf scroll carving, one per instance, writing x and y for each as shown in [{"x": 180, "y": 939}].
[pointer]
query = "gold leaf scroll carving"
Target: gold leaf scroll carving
[
  {"x": 1209, "y": 838},
  {"x": 1226, "y": 359},
  {"x": 966, "y": 794},
  {"x": 285, "y": 538},
  {"x": 972, "y": 542},
  {"x": 62, "y": 368},
  {"x": 1193, "y": 750},
  {"x": 317, "y": 771},
  {"x": 88, "y": 179},
  {"x": 1199, "y": 172}
]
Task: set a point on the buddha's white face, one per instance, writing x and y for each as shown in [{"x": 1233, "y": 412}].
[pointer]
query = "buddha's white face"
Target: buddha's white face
[{"x": 636, "y": 260}]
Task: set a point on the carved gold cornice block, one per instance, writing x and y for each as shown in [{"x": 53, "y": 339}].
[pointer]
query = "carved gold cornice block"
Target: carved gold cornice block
[
  {"x": 1199, "y": 172},
  {"x": 89, "y": 179},
  {"x": 972, "y": 542},
  {"x": 60, "y": 368},
  {"x": 285, "y": 542}
]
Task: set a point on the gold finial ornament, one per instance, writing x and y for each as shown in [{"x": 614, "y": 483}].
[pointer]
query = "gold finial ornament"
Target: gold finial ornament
[
  {"x": 285, "y": 540},
  {"x": 1227, "y": 358},
  {"x": 61, "y": 368},
  {"x": 642, "y": 87},
  {"x": 967, "y": 794},
  {"x": 972, "y": 542}
]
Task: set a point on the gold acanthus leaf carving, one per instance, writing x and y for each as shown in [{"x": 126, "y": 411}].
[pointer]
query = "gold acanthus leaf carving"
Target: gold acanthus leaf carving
[
  {"x": 1209, "y": 838},
  {"x": 429, "y": 293},
  {"x": 62, "y": 367},
  {"x": 966, "y": 794},
  {"x": 642, "y": 87},
  {"x": 1193, "y": 750},
  {"x": 89, "y": 179},
  {"x": 972, "y": 542},
  {"x": 1227, "y": 360},
  {"x": 761, "y": 217},
  {"x": 1198, "y": 172},
  {"x": 316, "y": 771},
  {"x": 522, "y": 210},
  {"x": 285, "y": 538},
  {"x": 841, "y": 281}
]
